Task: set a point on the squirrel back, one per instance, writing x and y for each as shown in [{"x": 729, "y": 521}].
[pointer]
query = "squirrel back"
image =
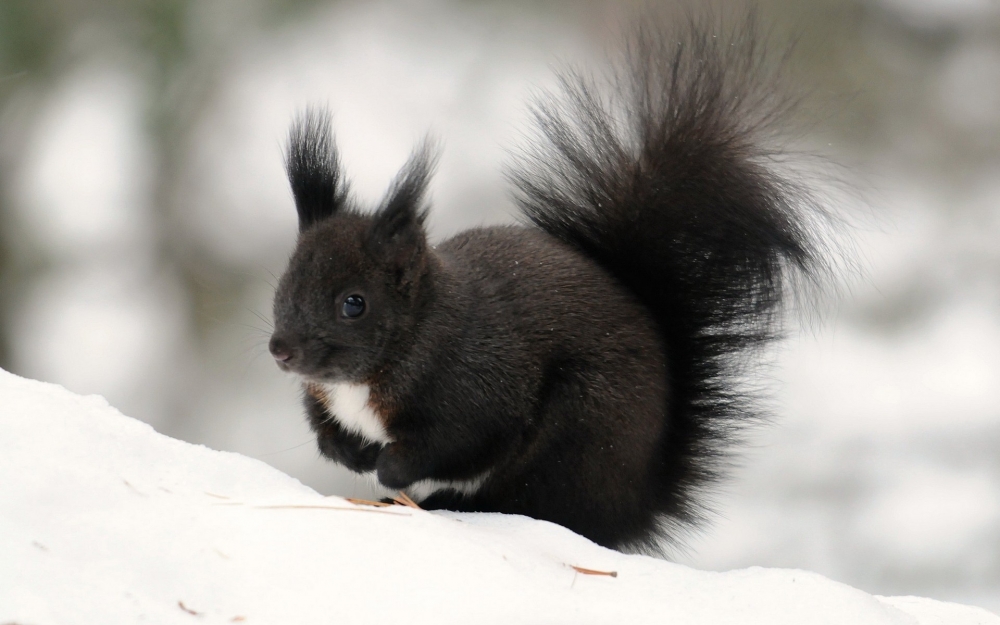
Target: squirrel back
[{"x": 584, "y": 368}]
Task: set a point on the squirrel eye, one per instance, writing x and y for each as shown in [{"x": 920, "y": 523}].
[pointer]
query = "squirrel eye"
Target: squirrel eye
[{"x": 354, "y": 305}]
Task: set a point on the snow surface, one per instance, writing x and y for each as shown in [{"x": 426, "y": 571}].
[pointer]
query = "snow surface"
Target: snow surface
[{"x": 103, "y": 520}]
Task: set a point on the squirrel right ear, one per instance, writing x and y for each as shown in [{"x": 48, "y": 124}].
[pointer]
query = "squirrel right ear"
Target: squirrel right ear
[
  {"x": 397, "y": 233},
  {"x": 313, "y": 168}
]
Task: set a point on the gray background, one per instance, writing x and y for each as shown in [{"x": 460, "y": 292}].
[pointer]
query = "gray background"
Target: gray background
[{"x": 144, "y": 217}]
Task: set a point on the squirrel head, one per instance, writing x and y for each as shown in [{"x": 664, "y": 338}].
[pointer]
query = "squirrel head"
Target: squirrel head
[{"x": 354, "y": 285}]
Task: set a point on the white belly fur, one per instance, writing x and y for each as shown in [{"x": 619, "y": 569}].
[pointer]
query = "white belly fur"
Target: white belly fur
[
  {"x": 424, "y": 488},
  {"x": 349, "y": 405}
]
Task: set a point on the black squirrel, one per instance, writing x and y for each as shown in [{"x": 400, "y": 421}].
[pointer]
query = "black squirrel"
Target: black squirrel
[{"x": 582, "y": 368}]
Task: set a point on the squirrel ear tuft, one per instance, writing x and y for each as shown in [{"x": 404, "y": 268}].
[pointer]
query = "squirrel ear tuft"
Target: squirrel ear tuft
[
  {"x": 403, "y": 206},
  {"x": 397, "y": 232},
  {"x": 313, "y": 168}
]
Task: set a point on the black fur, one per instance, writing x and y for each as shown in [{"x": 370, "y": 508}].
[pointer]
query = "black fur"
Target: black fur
[
  {"x": 583, "y": 368},
  {"x": 314, "y": 169}
]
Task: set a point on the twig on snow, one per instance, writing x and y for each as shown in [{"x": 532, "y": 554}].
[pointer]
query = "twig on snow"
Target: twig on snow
[
  {"x": 404, "y": 500},
  {"x": 187, "y": 609},
  {"x": 368, "y": 502},
  {"x": 580, "y": 569}
]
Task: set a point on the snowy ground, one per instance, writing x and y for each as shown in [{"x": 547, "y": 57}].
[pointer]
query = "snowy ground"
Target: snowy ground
[{"x": 102, "y": 520}]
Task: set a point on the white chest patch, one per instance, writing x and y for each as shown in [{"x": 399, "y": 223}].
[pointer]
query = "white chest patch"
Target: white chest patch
[{"x": 349, "y": 405}]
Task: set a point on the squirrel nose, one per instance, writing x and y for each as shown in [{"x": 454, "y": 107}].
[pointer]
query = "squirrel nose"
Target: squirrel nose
[{"x": 281, "y": 350}]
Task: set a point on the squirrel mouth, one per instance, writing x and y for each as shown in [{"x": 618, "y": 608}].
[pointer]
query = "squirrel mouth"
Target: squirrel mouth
[{"x": 317, "y": 362}]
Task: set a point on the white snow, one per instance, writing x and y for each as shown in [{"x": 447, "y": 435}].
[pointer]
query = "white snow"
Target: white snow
[{"x": 103, "y": 521}]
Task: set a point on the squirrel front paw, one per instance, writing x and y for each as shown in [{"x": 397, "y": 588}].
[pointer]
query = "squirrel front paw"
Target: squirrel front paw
[
  {"x": 394, "y": 468},
  {"x": 335, "y": 442},
  {"x": 351, "y": 451}
]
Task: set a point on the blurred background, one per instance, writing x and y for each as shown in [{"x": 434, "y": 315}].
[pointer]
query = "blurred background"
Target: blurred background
[{"x": 144, "y": 217}]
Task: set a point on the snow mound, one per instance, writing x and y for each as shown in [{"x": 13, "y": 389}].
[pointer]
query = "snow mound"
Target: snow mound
[{"x": 102, "y": 521}]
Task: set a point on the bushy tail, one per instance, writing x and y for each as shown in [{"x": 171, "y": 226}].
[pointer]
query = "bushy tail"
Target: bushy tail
[{"x": 666, "y": 178}]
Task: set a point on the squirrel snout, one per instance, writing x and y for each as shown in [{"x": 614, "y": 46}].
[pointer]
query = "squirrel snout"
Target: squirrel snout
[{"x": 281, "y": 350}]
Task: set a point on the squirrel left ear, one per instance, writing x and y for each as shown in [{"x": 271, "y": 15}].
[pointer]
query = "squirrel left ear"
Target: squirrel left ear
[
  {"x": 397, "y": 233},
  {"x": 313, "y": 168}
]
